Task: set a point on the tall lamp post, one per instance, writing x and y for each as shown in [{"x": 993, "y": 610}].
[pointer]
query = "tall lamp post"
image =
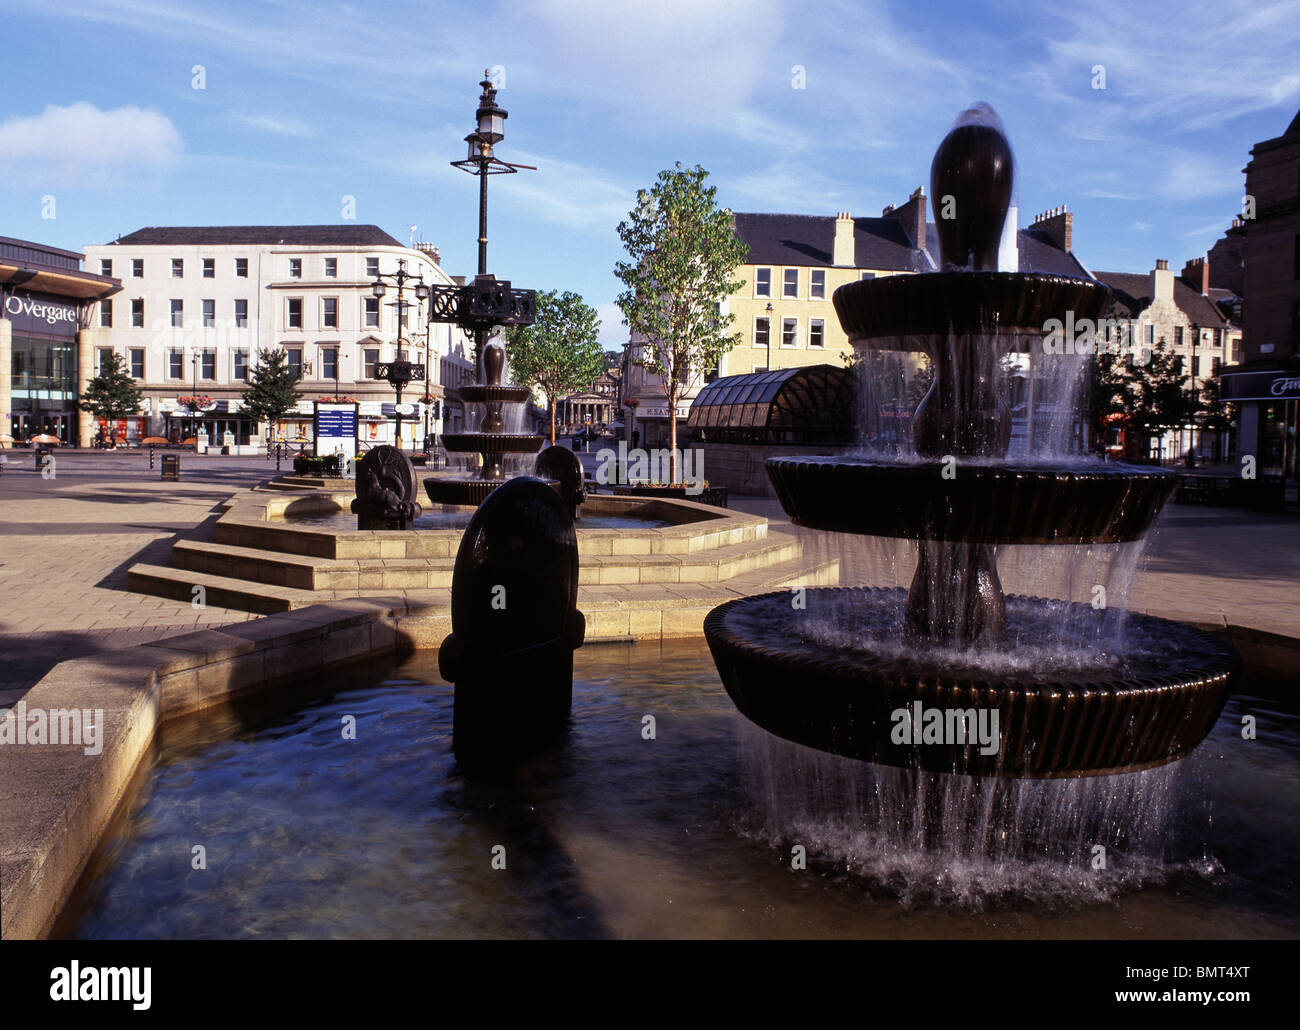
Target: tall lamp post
[{"x": 400, "y": 371}]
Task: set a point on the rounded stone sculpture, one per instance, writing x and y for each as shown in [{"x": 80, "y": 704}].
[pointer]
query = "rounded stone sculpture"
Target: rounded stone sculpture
[
  {"x": 385, "y": 490},
  {"x": 515, "y": 625}
]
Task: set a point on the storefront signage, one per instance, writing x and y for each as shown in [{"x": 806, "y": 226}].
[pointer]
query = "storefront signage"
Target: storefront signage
[
  {"x": 1261, "y": 386},
  {"x": 662, "y": 412},
  {"x": 36, "y": 312}
]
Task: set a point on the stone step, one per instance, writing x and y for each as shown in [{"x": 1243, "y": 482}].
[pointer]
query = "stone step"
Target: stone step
[
  {"x": 247, "y": 563},
  {"x": 218, "y": 591}
]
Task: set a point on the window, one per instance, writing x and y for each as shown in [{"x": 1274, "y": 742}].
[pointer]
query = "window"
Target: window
[
  {"x": 105, "y": 361},
  {"x": 816, "y": 333},
  {"x": 241, "y": 314},
  {"x": 137, "y": 362},
  {"x": 295, "y": 360},
  {"x": 175, "y": 364},
  {"x": 208, "y": 365},
  {"x": 293, "y": 313},
  {"x": 295, "y": 268},
  {"x": 1215, "y": 365},
  {"x": 372, "y": 268},
  {"x": 789, "y": 331},
  {"x": 866, "y": 275},
  {"x": 106, "y": 314},
  {"x": 1178, "y": 336},
  {"x": 331, "y": 268},
  {"x": 371, "y": 360},
  {"x": 137, "y": 313},
  {"x": 791, "y": 283},
  {"x": 137, "y": 267},
  {"x": 329, "y": 362},
  {"x": 371, "y": 319},
  {"x": 105, "y": 266},
  {"x": 1151, "y": 333},
  {"x": 1218, "y": 337},
  {"x": 209, "y": 268},
  {"x": 178, "y": 268},
  {"x": 329, "y": 312},
  {"x": 818, "y": 287},
  {"x": 178, "y": 314},
  {"x": 762, "y": 331},
  {"x": 763, "y": 282},
  {"x": 241, "y": 365},
  {"x": 209, "y": 314},
  {"x": 241, "y": 268}
]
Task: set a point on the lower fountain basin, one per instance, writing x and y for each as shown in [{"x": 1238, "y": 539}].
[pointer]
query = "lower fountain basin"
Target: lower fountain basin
[
  {"x": 981, "y": 502},
  {"x": 835, "y": 675}
]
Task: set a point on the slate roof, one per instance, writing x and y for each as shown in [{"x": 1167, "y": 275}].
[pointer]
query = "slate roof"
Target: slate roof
[
  {"x": 254, "y": 235},
  {"x": 1133, "y": 295},
  {"x": 775, "y": 239},
  {"x": 1038, "y": 253}
]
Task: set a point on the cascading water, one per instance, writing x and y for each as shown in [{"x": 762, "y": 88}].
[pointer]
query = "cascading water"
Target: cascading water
[{"x": 1025, "y": 723}]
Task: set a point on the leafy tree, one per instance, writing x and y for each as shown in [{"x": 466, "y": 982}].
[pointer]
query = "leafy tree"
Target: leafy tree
[
  {"x": 112, "y": 394},
  {"x": 683, "y": 253},
  {"x": 1110, "y": 393},
  {"x": 1160, "y": 397},
  {"x": 271, "y": 394},
  {"x": 559, "y": 352}
]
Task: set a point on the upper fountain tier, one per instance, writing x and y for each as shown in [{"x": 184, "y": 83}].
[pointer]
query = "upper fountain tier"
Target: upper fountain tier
[{"x": 971, "y": 180}]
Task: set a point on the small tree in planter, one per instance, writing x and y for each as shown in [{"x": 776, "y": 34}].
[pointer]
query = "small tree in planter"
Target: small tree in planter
[
  {"x": 558, "y": 353},
  {"x": 683, "y": 253},
  {"x": 111, "y": 395},
  {"x": 271, "y": 392}
]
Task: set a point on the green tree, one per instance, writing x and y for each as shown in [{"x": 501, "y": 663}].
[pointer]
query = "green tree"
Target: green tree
[
  {"x": 1110, "y": 393},
  {"x": 683, "y": 254},
  {"x": 1161, "y": 399},
  {"x": 559, "y": 352},
  {"x": 271, "y": 394},
  {"x": 112, "y": 394}
]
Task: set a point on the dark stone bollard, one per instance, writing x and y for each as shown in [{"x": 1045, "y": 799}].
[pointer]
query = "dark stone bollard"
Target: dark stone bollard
[
  {"x": 562, "y": 465},
  {"x": 515, "y": 625},
  {"x": 385, "y": 490}
]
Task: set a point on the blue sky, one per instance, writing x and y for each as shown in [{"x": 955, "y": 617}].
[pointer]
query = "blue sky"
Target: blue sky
[{"x": 307, "y": 103}]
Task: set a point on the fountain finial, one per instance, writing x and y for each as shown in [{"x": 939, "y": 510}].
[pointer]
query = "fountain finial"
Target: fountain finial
[{"x": 970, "y": 186}]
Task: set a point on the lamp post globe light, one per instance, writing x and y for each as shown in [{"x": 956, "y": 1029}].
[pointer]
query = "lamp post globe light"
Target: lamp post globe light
[{"x": 400, "y": 371}]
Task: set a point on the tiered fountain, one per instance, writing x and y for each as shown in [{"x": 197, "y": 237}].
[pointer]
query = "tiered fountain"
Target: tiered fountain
[
  {"x": 1118, "y": 693},
  {"x": 492, "y": 441}
]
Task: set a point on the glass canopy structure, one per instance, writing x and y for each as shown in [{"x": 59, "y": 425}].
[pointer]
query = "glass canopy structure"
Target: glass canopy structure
[{"x": 807, "y": 404}]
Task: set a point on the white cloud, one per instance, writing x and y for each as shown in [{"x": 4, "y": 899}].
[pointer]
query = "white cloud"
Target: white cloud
[
  {"x": 613, "y": 333},
  {"x": 83, "y": 146},
  {"x": 278, "y": 125}
]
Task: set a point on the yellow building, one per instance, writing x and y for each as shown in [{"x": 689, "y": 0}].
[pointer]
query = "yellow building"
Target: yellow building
[{"x": 796, "y": 263}]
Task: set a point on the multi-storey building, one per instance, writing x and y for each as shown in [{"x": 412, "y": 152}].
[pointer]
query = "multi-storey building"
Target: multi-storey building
[
  {"x": 199, "y": 304},
  {"x": 795, "y": 263},
  {"x": 1266, "y": 383},
  {"x": 48, "y": 304},
  {"x": 594, "y": 408}
]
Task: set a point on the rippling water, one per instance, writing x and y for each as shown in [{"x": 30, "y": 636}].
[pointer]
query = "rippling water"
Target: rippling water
[{"x": 689, "y": 834}]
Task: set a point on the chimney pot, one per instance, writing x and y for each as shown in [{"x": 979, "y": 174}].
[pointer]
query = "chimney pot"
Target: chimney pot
[{"x": 1162, "y": 264}]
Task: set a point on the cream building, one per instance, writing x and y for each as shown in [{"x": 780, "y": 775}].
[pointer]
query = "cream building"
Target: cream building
[{"x": 199, "y": 303}]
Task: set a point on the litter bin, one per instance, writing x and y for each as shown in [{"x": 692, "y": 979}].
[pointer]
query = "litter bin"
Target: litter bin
[
  {"x": 171, "y": 466},
  {"x": 40, "y": 455}
]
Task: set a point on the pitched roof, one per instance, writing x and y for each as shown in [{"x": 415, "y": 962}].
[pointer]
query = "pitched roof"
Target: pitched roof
[
  {"x": 1133, "y": 296},
  {"x": 289, "y": 235},
  {"x": 1038, "y": 252},
  {"x": 775, "y": 239}
]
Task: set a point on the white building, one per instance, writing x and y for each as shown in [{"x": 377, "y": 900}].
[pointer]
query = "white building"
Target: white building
[{"x": 198, "y": 304}]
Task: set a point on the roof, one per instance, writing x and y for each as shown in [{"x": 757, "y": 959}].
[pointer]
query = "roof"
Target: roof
[
  {"x": 289, "y": 235},
  {"x": 803, "y": 403},
  {"x": 775, "y": 239},
  {"x": 1133, "y": 295},
  {"x": 1038, "y": 252}
]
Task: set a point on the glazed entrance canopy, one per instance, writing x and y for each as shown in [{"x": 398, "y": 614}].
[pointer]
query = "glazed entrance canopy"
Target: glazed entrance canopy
[{"x": 809, "y": 404}]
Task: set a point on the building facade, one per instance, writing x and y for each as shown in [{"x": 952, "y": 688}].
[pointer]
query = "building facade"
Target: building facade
[
  {"x": 48, "y": 308},
  {"x": 1266, "y": 382},
  {"x": 595, "y": 408},
  {"x": 199, "y": 304}
]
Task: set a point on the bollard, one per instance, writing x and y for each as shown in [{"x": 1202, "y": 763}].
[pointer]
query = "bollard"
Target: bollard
[
  {"x": 277, "y": 457},
  {"x": 151, "y": 455}
]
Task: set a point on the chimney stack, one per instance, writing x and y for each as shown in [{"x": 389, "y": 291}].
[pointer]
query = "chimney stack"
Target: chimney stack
[
  {"x": 1058, "y": 224},
  {"x": 845, "y": 248},
  {"x": 1162, "y": 282},
  {"x": 911, "y": 216},
  {"x": 1196, "y": 274}
]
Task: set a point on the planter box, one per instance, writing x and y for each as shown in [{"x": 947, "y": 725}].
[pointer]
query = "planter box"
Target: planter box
[
  {"x": 327, "y": 465},
  {"x": 714, "y": 495}
]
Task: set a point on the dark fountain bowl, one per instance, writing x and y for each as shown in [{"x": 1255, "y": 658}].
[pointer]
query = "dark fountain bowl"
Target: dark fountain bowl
[
  {"x": 836, "y": 675},
  {"x": 1002, "y": 502}
]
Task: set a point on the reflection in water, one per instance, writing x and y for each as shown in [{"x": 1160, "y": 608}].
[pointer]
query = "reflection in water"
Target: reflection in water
[{"x": 688, "y": 834}]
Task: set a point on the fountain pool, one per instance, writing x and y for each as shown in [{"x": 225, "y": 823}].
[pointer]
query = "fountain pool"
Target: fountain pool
[{"x": 686, "y": 835}]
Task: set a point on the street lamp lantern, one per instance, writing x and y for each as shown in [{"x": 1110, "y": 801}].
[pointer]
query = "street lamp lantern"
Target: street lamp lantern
[
  {"x": 491, "y": 118},
  {"x": 377, "y": 288}
]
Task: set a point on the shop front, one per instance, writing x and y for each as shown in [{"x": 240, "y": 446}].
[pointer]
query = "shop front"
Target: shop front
[{"x": 1269, "y": 421}]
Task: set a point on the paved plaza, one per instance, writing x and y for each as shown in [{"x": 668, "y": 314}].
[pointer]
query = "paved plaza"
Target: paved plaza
[{"x": 66, "y": 543}]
